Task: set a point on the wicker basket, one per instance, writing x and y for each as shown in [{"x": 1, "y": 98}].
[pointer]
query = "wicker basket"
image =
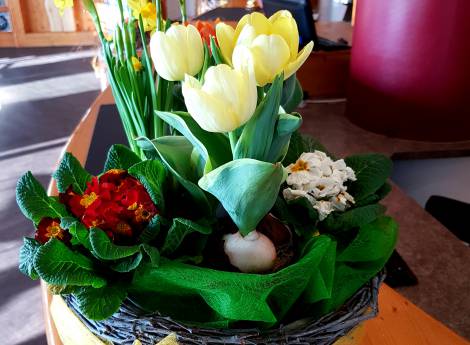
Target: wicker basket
[{"x": 129, "y": 324}]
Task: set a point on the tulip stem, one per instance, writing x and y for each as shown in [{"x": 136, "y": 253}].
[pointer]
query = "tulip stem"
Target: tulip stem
[
  {"x": 184, "y": 17},
  {"x": 233, "y": 141}
]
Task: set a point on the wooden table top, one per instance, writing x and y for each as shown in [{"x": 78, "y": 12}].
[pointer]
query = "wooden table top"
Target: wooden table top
[{"x": 399, "y": 322}]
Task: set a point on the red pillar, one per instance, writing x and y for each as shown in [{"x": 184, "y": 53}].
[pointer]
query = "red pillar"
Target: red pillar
[{"x": 410, "y": 69}]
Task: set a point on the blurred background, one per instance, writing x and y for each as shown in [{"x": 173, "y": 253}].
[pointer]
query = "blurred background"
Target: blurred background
[{"x": 385, "y": 76}]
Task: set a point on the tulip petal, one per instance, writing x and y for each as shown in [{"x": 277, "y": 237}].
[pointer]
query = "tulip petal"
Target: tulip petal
[
  {"x": 283, "y": 24},
  {"x": 292, "y": 67},
  {"x": 226, "y": 39},
  {"x": 257, "y": 20},
  {"x": 270, "y": 54},
  {"x": 247, "y": 36},
  {"x": 167, "y": 56},
  {"x": 194, "y": 50}
]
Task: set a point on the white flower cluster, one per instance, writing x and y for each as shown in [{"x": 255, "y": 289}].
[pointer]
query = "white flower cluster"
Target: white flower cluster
[{"x": 321, "y": 180}]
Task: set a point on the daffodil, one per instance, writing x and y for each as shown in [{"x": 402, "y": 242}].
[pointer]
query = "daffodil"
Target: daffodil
[
  {"x": 226, "y": 101},
  {"x": 63, "y": 4},
  {"x": 177, "y": 52},
  {"x": 271, "y": 45},
  {"x": 147, "y": 10},
  {"x": 136, "y": 64}
]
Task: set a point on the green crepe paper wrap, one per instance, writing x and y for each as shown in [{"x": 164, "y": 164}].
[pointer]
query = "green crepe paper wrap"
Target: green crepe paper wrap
[
  {"x": 321, "y": 281},
  {"x": 219, "y": 298}
]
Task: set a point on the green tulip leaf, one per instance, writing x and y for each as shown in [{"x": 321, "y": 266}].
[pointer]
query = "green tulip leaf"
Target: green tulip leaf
[
  {"x": 286, "y": 125},
  {"x": 247, "y": 189},
  {"x": 292, "y": 94},
  {"x": 176, "y": 154},
  {"x": 213, "y": 147},
  {"x": 257, "y": 135}
]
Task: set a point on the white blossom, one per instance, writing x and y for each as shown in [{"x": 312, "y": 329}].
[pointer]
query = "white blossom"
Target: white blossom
[{"x": 321, "y": 180}]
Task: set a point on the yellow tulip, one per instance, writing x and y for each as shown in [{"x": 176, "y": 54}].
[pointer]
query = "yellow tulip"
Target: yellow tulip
[
  {"x": 226, "y": 101},
  {"x": 272, "y": 45},
  {"x": 177, "y": 52}
]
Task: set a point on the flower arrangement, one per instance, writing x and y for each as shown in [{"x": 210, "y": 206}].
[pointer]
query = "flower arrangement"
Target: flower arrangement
[{"x": 219, "y": 213}]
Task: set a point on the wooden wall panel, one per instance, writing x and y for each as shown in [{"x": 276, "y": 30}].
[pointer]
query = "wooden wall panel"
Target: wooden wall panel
[{"x": 34, "y": 16}]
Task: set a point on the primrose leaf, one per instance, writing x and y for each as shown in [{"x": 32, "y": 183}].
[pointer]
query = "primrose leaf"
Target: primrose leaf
[
  {"x": 120, "y": 157},
  {"x": 99, "y": 304},
  {"x": 27, "y": 255},
  {"x": 372, "y": 171},
  {"x": 71, "y": 173},
  {"x": 57, "y": 264},
  {"x": 104, "y": 249},
  {"x": 179, "y": 230},
  {"x": 353, "y": 218},
  {"x": 152, "y": 174},
  {"x": 34, "y": 202}
]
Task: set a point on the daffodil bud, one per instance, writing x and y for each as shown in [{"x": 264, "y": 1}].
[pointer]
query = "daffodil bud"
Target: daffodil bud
[
  {"x": 177, "y": 52},
  {"x": 254, "y": 253},
  {"x": 226, "y": 101},
  {"x": 272, "y": 45}
]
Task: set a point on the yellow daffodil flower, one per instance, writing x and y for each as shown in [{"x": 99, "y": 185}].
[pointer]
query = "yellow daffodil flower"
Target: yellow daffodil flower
[
  {"x": 147, "y": 9},
  {"x": 136, "y": 64},
  {"x": 226, "y": 101},
  {"x": 271, "y": 45},
  {"x": 63, "y": 4},
  {"x": 177, "y": 52}
]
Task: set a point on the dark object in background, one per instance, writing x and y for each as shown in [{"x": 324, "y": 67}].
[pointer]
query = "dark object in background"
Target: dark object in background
[
  {"x": 303, "y": 14},
  {"x": 108, "y": 131},
  {"x": 453, "y": 214},
  {"x": 398, "y": 272}
]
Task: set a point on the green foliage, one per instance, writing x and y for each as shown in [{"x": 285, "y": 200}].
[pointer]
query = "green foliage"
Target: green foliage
[
  {"x": 213, "y": 147},
  {"x": 286, "y": 125},
  {"x": 257, "y": 135},
  {"x": 127, "y": 264},
  {"x": 300, "y": 143},
  {"x": 58, "y": 265},
  {"x": 80, "y": 234},
  {"x": 152, "y": 230},
  {"x": 353, "y": 218},
  {"x": 104, "y": 249},
  {"x": 176, "y": 152},
  {"x": 71, "y": 173},
  {"x": 152, "y": 174},
  {"x": 100, "y": 303},
  {"x": 27, "y": 255},
  {"x": 120, "y": 157},
  {"x": 179, "y": 230},
  {"x": 292, "y": 94},
  {"x": 34, "y": 202},
  {"x": 216, "y": 54},
  {"x": 372, "y": 171},
  {"x": 247, "y": 189}
]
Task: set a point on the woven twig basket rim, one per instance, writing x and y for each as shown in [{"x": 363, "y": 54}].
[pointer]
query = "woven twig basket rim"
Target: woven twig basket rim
[{"x": 127, "y": 325}]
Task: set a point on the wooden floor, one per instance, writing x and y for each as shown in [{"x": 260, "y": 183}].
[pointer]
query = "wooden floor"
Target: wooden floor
[{"x": 43, "y": 95}]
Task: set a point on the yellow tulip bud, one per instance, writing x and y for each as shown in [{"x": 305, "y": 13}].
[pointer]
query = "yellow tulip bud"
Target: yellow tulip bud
[
  {"x": 271, "y": 45},
  {"x": 226, "y": 101},
  {"x": 177, "y": 52}
]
